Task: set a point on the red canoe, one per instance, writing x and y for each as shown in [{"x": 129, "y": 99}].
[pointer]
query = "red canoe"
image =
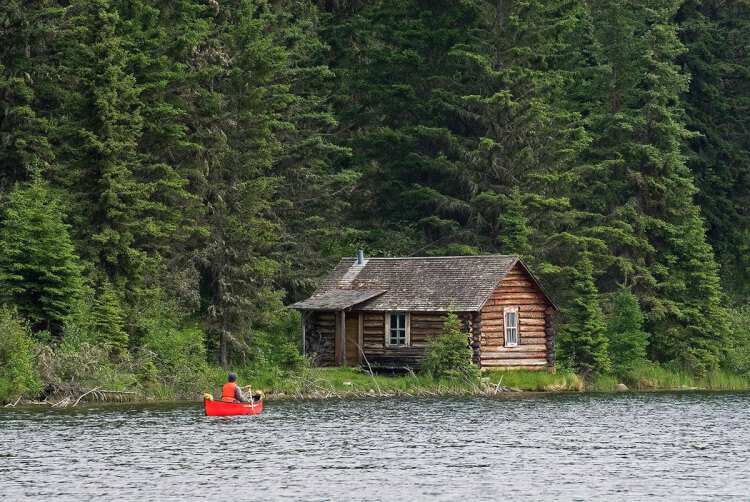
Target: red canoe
[{"x": 224, "y": 409}]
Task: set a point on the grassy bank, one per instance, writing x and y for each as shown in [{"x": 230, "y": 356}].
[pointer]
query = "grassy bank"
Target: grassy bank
[
  {"x": 321, "y": 383},
  {"x": 331, "y": 382},
  {"x": 659, "y": 378}
]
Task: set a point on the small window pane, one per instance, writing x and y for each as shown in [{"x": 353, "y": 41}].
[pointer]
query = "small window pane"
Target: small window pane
[
  {"x": 397, "y": 331},
  {"x": 511, "y": 328}
]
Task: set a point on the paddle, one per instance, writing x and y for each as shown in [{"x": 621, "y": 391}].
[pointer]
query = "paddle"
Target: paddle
[{"x": 250, "y": 387}]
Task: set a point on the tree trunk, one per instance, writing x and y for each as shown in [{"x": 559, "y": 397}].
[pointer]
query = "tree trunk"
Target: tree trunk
[{"x": 223, "y": 351}]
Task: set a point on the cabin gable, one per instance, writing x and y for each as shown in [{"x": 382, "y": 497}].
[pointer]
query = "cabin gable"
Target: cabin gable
[{"x": 529, "y": 342}]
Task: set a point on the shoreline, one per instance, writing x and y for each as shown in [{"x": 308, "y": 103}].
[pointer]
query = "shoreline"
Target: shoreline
[
  {"x": 350, "y": 383},
  {"x": 26, "y": 404}
]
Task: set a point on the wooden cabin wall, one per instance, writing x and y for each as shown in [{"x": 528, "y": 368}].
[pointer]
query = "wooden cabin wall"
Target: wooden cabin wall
[
  {"x": 423, "y": 325},
  {"x": 320, "y": 337},
  {"x": 535, "y": 349}
]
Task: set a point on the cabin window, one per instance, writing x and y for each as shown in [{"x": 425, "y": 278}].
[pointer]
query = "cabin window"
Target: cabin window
[
  {"x": 397, "y": 329},
  {"x": 511, "y": 327}
]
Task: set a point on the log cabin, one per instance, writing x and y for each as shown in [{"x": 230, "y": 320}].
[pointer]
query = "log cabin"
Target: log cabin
[{"x": 383, "y": 311}]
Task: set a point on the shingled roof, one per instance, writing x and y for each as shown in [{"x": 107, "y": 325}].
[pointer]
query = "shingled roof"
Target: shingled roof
[
  {"x": 460, "y": 283},
  {"x": 337, "y": 299}
]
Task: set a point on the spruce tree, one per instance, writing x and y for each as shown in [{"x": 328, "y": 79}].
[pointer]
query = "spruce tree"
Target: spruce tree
[
  {"x": 310, "y": 205},
  {"x": 104, "y": 127},
  {"x": 124, "y": 203},
  {"x": 398, "y": 113},
  {"x": 626, "y": 339},
  {"x": 39, "y": 270},
  {"x": 107, "y": 320},
  {"x": 461, "y": 128},
  {"x": 237, "y": 262},
  {"x": 27, "y": 70},
  {"x": 514, "y": 230},
  {"x": 642, "y": 189},
  {"x": 583, "y": 341},
  {"x": 148, "y": 34},
  {"x": 717, "y": 105}
]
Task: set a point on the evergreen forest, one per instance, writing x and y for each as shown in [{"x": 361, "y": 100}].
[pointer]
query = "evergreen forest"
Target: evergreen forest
[{"x": 172, "y": 174}]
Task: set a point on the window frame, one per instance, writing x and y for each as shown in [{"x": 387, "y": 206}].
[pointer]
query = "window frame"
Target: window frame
[
  {"x": 407, "y": 329},
  {"x": 506, "y": 328}
]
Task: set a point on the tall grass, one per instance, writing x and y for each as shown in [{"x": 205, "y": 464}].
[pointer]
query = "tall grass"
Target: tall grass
[
  {"x": 651, "y": 376},
  {"x": 537, "y": 380}
]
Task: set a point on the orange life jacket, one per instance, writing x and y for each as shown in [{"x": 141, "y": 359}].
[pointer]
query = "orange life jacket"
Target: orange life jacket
[{"x": 228, "y": 392}]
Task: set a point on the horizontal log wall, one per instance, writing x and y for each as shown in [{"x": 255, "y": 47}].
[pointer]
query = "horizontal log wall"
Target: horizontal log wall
[
  {"x": 535, "y": 348},
  {"x": 321, "y": 338},
  {"x": 423, "y": 326}
]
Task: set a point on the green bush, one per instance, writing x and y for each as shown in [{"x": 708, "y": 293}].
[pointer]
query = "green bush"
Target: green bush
[
  {"x": 19, "y": 374},
  {"x": 278, "y": 345},
  {"x": 737, "y": 358},
  {"x": 450, "y": 353}
]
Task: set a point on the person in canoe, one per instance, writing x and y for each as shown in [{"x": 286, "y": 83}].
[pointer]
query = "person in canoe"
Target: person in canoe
[{"x": 232, "y": 393}]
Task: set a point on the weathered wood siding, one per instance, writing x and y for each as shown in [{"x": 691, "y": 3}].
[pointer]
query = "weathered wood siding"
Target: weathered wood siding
[
  {"x": 423, "y": 325},
  {"x": 535, "y": 348},
  {"x": 320, "y": 337}
]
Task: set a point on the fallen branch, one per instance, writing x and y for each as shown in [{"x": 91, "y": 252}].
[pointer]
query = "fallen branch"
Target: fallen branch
[
  {"x": 498, "y": 383},
  {"x": 86, "y": 394},
  {"x": 12, "y": 405}
]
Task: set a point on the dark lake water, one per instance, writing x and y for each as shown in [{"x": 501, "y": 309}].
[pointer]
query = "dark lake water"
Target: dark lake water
[{"x": 684, "y": 446}]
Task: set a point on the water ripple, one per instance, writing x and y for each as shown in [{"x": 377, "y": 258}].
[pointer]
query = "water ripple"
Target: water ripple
[{"x": 568, "y": 446}]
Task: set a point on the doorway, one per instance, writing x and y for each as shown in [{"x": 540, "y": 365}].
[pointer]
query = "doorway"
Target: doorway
[{"x": 352, "y": 338}]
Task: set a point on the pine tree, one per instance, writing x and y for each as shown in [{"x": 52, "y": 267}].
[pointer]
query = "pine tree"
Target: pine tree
[
  {"x": 717, "y": 105},
  {"x": 237, "y": 263},
  {"x": 107, "y": 320},
  {"x": 626, "y": 340},
  {"x": 39, "y": 270},
  {"x": 310, "y": 204},
  {"x": 27, "y": 33},
  {"x": 637, "y": 181},
  {"x": 583, "y": 341}
]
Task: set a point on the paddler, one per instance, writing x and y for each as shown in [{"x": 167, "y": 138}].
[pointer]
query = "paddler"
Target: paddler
[{"x": 231, "y": 392}]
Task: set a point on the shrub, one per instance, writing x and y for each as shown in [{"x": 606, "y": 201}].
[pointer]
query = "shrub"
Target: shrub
[
  {"x": 450, "y": 353},
  {"x": 172, "y": 351},
  {"x": 277, "y": 347},
  {"x": 19, "y": 374},
  {"x": 737, "y": 357}
]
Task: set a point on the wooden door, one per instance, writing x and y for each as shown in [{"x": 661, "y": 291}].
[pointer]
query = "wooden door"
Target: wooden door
[{"x": 352, "y": 338}]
